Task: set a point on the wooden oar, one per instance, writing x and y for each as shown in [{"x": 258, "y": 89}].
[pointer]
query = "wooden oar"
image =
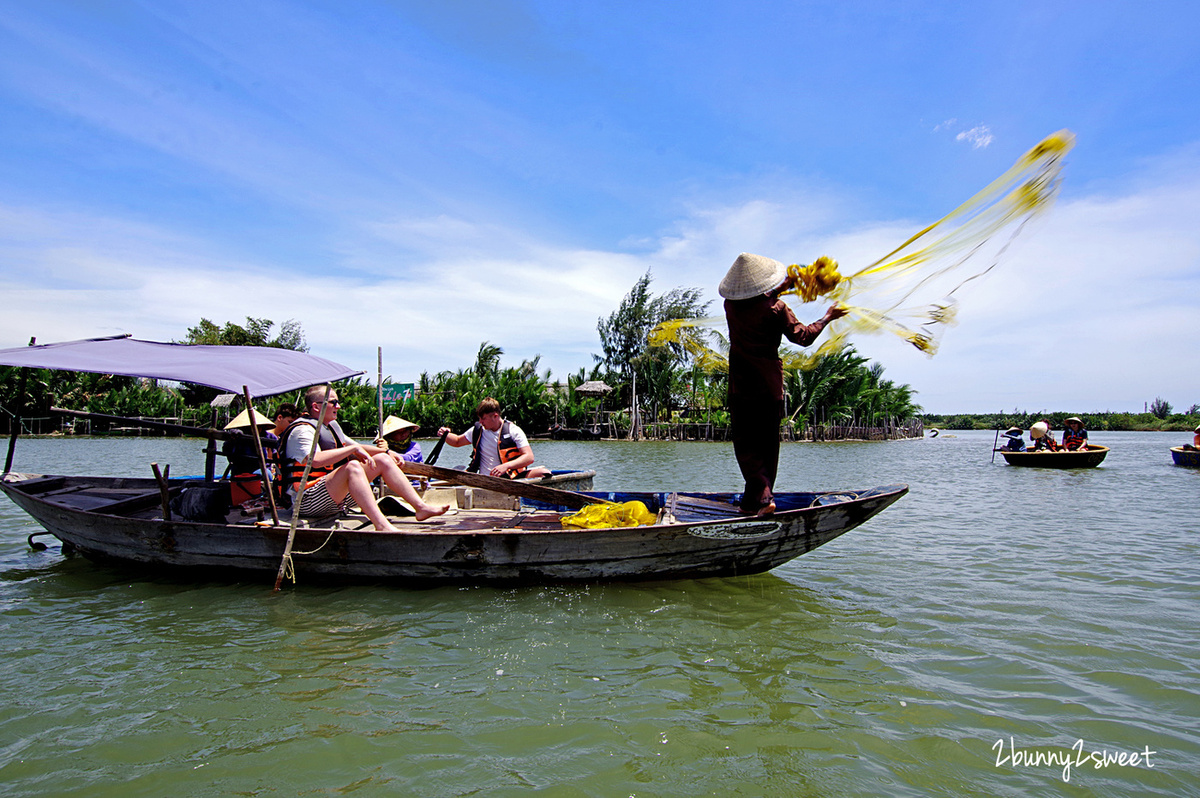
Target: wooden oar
[
  {"x": 433, "y": 456},
  {"x": 512, "y": 487}
]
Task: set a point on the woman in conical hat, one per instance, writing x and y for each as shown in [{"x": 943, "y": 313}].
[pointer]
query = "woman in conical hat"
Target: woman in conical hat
[
  {"x": 1042, "y": 439},
  {"x": 758, "y": 322},
  {"x": 1074, "y": 436},
  {"x": 397, "y": 436}
]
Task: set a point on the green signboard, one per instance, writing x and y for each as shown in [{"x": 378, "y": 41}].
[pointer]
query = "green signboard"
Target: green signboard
[{"x": 398, "y": 391}]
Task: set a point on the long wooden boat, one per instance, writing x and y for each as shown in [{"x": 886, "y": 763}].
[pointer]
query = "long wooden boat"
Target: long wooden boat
[
  {"x": 1090, "y": 457},
  {"x": 698, "y": 535},
  {"x": 1189, "y": 458},
  {"x": 184, "y": 525}
]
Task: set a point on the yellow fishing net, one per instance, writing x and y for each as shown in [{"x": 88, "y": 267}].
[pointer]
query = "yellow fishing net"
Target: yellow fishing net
[
  {"x": 610, "y": 514},
  {"x": 911, "y": 290}
]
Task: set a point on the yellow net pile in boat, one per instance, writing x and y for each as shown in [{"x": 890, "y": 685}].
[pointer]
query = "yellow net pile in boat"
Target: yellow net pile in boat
[
  {"x": 910, "y": 291},
  {"x": 610, "y": 514}
]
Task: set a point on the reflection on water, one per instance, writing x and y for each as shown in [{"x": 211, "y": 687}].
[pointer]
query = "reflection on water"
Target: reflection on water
[{"x": 991, "y": 603}]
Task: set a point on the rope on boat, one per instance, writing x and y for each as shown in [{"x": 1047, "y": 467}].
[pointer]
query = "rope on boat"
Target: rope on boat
[
  {"x": 37, "y": 546},
  {"x": 314, "y": 551}
]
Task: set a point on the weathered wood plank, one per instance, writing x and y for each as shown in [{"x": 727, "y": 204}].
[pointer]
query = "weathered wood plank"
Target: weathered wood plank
[{"x": 565, "y": 498}]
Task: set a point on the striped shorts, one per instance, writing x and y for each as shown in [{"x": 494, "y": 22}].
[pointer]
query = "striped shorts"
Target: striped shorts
[{"x": 317, "y": 502}]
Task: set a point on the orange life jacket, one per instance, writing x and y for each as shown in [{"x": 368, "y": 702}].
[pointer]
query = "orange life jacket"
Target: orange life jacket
[
  {"x": 507, "y": 449},
  {"x": 292, "y": 471}
]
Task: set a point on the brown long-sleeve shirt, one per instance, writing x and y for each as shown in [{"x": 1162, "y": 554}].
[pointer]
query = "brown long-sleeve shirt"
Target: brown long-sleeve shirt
[{"x": 757, "y": 326}]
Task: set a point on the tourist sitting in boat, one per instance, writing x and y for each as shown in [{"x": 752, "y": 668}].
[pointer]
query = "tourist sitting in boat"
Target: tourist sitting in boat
[
  {"x": 1043, "y": 439},
  {"x": 285, "y": 414},
  {"x": 1074, "y": 436},
  {"x": 1015, "y": 442},
  {"x": 499, "y": 447},
  {"x": 342, "y": 469}
]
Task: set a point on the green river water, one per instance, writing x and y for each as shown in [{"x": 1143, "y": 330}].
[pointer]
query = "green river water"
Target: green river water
[{"x": 998, "y": 631}]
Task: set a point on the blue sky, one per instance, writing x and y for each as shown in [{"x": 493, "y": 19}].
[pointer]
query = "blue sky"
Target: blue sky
[{"x": 428, "y": 176}]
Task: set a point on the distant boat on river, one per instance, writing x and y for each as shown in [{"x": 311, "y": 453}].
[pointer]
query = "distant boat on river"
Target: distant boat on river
[
  {"x": 1090, "y": 457},
  {"x": 1189, "y": 458}
]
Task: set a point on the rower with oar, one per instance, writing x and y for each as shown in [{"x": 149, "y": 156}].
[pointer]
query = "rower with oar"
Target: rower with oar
[{"x": 499, "y": 447}]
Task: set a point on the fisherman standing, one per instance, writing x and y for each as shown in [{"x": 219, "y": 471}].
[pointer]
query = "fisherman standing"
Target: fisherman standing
[{"x": 758, "y": 321}]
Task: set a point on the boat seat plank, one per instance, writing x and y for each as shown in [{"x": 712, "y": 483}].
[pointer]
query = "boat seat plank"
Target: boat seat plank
[
  {"x": 111, "y": 502},
  {"x": 694, "y": 508},
  {"x": 45, "y": 485}
]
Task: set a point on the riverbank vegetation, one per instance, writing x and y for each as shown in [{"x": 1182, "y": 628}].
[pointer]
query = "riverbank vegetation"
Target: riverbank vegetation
[
  {"x": 668, "y": 385},
  {"x": 1106, "y": 421}
]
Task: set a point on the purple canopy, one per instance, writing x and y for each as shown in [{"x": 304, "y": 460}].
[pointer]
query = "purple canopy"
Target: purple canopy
[{"x": 265, "y": 370}]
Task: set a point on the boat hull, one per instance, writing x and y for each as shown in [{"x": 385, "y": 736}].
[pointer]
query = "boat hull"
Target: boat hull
[
  {"x": 1188, "y": 458},
  {"x": 472, "y": 546},
  {"x": 1089, "y": 458}
]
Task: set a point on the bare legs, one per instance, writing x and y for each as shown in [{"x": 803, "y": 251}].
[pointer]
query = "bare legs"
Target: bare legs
[{"x": 354, "y": 478}]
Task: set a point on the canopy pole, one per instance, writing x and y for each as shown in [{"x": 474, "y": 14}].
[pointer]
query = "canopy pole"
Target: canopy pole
[
  {"x": 285, "y": 564},
  {"x": 267, "y": 488},
  {"x": 379, "y": 392},
  {"x": 16, "y": 422}
]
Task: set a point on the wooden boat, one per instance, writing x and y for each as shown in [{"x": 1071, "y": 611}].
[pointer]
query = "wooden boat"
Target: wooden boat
[
  {"x": 1189, "y": 458},
  {"x": 187, "y": 524},
  {"x": 699, "y": 535},
  {"x": 1090, "y": 457}
]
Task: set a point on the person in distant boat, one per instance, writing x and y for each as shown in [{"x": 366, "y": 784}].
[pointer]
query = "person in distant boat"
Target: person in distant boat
[
  {"x": 498, "y": 447},
  {"x": 1043, "y": 439},
  {"x": 1195, "y": 444},
  {"x": 1015, "y": 442},
  {"x": 758, "y": 322},
  {"x": 342, "y": 469},
  {"x": 285, "y": 414},
  {"x": 1074, "y": 436}
]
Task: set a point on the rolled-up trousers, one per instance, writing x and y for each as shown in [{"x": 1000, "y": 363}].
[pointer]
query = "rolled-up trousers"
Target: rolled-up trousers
[{"x": 754, "y": 426}]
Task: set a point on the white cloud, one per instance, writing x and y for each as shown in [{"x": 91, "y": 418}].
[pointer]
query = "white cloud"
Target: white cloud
[
  {"x": 1092, "y": 310},
  {"x": 978, "y": 137}
]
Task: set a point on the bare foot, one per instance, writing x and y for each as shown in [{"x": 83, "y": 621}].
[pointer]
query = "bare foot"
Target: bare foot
[
  {"x": 769, "y": 509},
  {"x": 429, "y": 511}
]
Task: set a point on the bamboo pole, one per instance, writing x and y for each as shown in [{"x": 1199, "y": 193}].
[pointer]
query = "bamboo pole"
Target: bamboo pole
[
  {"x": 285, "y": 563},
  {"x": 265, "y": 482},
  {"x": 379, "y": 393}
]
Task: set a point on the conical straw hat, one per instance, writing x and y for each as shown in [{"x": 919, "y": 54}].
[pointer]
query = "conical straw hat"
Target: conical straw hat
[
  {"x": 751, "y": 275},
  {"x": 242, "y": 421},
  {"x": 393, "y": 424},
  {"x": 1038, "y": 430}
]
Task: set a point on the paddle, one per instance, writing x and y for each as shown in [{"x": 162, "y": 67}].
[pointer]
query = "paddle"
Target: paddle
[
  {"x": 512, "y": 487},
  {"x": 437, "y": 449},
  {"x": 994, "y": 444}
]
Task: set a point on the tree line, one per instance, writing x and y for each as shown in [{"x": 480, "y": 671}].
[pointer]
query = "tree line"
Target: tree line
[
  {"x": 668, "y": 383},
  {"x": 1107, "y": 421}
]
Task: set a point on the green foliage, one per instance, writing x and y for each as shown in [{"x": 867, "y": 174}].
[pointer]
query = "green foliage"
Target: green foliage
[
  {"x": 671, "y": 383},
  {"x": 1093, "y": 422},
  {"x": 1160, "y": 408},
  {"x": 256, "y": 333},
  {"x": 659, "y": 374},
  {"x": 842, "y": 387}
]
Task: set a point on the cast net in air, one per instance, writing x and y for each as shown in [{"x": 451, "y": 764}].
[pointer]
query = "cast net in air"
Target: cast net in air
[{"x": 913, "y": 291}]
